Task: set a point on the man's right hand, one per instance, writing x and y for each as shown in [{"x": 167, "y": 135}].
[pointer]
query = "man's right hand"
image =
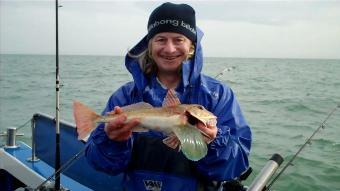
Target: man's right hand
[{"x": 119, "y": 129}]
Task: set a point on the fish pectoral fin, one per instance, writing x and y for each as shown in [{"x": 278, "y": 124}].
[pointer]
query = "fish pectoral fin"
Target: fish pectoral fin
[
  {"x": 192, "y": 142},
  {"x": 173, "y": 142}
]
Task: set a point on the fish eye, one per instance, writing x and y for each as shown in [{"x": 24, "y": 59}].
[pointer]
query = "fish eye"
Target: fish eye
[{"x": 201, "y": 107}]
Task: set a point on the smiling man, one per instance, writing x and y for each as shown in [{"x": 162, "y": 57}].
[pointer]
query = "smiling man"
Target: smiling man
[{"x": 170, "y": 57}]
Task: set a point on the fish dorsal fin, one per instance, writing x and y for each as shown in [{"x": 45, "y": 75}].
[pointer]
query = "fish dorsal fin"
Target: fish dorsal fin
[
  {"x": 171, "y": 99},
  {"x": 137, "y": 106}
]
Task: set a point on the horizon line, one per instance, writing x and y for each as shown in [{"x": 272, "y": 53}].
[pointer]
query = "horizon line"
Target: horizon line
[{"x": 106, "y": 55}]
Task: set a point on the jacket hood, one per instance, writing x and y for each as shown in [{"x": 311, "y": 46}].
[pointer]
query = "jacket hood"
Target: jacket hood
[{"x": 191, "y": 69}]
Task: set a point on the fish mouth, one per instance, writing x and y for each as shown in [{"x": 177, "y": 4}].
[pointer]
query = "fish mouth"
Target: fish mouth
[{"x": 191, "y": 119}]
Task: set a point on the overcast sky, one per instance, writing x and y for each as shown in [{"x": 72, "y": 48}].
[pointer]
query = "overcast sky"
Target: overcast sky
[{"x": 275, "y": 29}]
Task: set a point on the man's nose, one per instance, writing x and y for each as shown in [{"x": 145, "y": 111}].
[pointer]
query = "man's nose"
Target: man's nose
[{"x": 169, "y": 47}]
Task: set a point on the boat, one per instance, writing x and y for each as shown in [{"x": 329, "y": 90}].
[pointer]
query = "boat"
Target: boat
[{"x": 24, "y": 166}]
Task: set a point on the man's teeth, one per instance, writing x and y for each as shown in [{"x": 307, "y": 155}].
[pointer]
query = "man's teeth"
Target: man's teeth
[{"x": 170, "y": 57}]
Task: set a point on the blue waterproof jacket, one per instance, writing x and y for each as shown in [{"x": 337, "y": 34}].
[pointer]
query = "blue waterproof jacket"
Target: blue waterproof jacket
[{"x": 150, "y": 165}]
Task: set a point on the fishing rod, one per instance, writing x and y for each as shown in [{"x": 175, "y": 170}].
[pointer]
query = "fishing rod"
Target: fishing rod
[
  {"x": 57, "y": 112},
  {"x": 222, "y": 72},
  {"x": 57, "y": 174},
  {"x": 57, "y": 118},
  {"x": 322, "y": 126}
]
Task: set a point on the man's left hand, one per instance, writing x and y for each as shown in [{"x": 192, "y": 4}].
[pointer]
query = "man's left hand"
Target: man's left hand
[{"x": 209, "y": 132}]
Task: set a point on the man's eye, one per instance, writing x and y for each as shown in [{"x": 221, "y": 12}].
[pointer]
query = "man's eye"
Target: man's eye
[
  {"x": 162, "y": 40},
  {"x": 179, "y": 40}
]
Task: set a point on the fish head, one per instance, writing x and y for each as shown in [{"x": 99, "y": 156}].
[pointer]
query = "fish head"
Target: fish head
[
  {"x": 194, "y": 112},
  {"x": 197, "y": 113}
]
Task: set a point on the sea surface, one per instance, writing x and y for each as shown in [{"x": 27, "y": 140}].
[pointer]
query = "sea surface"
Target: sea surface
[{"x": 283, "y": 100}]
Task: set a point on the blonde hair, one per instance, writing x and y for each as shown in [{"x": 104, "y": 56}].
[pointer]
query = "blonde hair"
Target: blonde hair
[{"x": 147, "y": 63}]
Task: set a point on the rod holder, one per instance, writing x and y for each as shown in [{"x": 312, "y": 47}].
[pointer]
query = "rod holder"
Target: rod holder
[
  {"x": 33, "y": 157},
  {"x": 11, "y": 138},
  {"x": 266, "y": 173}
]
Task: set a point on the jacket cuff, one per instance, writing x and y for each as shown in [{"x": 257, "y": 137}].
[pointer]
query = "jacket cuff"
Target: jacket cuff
[{"x": 109, "y": 147}]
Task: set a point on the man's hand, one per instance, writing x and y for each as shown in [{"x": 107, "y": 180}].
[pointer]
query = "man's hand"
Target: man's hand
[
  {"x": 209, "y": 132},
  {"x": 118, "y": 129}
]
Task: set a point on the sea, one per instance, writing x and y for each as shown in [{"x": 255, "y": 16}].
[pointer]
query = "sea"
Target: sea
[{"x": 283, "y": 100}]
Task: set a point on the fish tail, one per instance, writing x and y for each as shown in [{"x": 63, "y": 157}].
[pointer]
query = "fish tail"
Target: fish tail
[{"x": 85, "y": 119}]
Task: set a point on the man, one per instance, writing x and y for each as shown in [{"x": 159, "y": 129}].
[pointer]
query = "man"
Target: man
[{"x": 170, "y": 57}]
